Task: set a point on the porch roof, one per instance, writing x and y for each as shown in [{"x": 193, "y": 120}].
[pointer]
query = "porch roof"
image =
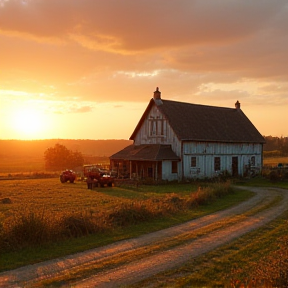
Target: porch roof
[{"x": 151, "y": 152}]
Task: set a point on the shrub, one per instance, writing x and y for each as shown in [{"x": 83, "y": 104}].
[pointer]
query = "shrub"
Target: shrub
[
  {"x": 131, "y": 213},
  {"x": 25, "y": 229},
  {"x": 77, "y": 225}
]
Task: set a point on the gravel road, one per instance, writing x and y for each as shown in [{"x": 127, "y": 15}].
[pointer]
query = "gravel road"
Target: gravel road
[{"x": 192, "y": 239}]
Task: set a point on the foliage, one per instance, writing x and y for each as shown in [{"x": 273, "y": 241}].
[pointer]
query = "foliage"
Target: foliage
[{"x": 60, "y": 158}]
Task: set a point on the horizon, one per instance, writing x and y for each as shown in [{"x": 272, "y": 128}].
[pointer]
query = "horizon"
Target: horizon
[{"x": 91, "y": 73}]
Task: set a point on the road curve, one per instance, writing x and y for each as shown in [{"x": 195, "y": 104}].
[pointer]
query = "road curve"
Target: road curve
[{"x": 222, "y": 227}]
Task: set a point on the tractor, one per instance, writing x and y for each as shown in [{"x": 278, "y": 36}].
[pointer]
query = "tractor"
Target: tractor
[
  {"x": 67, "y": 175},
  {"x": 97, "y": 176}
]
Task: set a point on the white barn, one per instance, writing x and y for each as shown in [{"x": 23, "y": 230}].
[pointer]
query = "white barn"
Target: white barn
[{"x": 176, "y": 141}]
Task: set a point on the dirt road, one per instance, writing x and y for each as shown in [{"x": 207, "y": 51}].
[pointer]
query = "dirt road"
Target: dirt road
[{"x": 130, "y": 261}]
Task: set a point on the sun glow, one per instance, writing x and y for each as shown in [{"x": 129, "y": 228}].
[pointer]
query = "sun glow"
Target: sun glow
[{"x": 28, "y": 122}]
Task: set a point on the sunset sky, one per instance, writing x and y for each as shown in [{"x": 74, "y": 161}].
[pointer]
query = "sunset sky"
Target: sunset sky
[{"x": 86, "y": 69}]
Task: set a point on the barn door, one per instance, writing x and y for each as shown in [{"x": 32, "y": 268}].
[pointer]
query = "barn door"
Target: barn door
[{"x": 234, "y": 166}]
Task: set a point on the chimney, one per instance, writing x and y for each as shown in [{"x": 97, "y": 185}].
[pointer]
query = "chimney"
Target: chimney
[
  {"x": 157, "y": 97},
  {"x": 237, "y": 105},
  {"x": 157, "y": 94}
]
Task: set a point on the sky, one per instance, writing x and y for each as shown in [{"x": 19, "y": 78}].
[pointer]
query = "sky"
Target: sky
[{"x": 87, "y": 69}]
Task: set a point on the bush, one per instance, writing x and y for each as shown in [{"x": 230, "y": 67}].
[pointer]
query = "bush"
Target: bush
[
  {"x": 25, "y": 229},
  {"x": 77, "y": 225}
]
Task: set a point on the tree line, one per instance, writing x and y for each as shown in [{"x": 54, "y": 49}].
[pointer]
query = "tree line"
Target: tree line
[{"x": 276, "y": 146}]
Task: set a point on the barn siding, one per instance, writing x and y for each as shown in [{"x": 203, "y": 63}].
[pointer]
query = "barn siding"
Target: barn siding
[
  {"x": 167, "y": 171},
  {"x": 205, "y": 152}
]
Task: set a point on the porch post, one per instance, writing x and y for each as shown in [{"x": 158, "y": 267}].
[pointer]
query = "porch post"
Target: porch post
[
  {"x": 156, "y": 170},
  {"x": 130, "y": 168}
]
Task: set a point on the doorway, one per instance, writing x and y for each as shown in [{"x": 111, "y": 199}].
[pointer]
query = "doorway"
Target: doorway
[{"x": 234, "y": 166}]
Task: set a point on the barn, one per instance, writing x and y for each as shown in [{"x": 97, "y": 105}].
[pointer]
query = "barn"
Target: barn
[{"x": 177, "y": 141}]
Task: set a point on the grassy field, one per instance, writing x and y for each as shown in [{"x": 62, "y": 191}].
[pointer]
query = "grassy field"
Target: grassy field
[
  {"x": 49, "y": 200},
  {"x": 18, "y": 165},
  {"x": 274, "y": 161},
  {"x": 29, "y": 209}
]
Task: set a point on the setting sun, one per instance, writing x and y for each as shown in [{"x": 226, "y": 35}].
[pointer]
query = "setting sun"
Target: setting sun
[{"x": 28, "y": 122}]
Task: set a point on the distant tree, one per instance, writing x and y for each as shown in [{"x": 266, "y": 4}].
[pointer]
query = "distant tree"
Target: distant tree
[{"x": 60, "y": 158}]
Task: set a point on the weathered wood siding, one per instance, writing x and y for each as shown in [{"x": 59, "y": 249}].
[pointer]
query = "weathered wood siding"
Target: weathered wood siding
[
  {"x": 205, "y": 153},
  {"x": 156, "y": 130},
  {"x": 167, "y": 171}
]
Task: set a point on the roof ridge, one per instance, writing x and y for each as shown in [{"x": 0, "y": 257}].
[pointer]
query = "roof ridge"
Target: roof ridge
[{"x": 197, "y": 104}]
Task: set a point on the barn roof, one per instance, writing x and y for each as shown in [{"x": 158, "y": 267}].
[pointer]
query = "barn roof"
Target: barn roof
[
  {"x": 194, "y": 122},
  {"x": 151, "y": 152}
]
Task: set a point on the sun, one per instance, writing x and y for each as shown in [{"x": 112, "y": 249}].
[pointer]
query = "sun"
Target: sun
[{"x": 28, "y": 122}]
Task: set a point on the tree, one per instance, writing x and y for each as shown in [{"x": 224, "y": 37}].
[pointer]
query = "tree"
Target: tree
[{"x": 60, "y": 158}]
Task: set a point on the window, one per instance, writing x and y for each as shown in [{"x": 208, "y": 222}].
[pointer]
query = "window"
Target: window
[
  {"x": 193, "y": 162},
  {"x": 174, "y": 166},
  {"x": 253, "y": 161},
  {"x": 217, "y": 164},
  {"x": 156, "y": 127}
]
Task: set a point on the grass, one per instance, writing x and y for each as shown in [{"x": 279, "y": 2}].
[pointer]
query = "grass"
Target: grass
[
  {"x": 40, "y": 203},
  {"x": 241, "y": 260},
  {"x": 249, "y": 261},
  {"x": 258, "y": 259}
]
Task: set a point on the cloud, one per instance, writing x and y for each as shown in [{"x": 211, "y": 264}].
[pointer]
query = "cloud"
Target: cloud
[
  {"x": 100, "y": 51},
  {"x": 145, "y": 24}
]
